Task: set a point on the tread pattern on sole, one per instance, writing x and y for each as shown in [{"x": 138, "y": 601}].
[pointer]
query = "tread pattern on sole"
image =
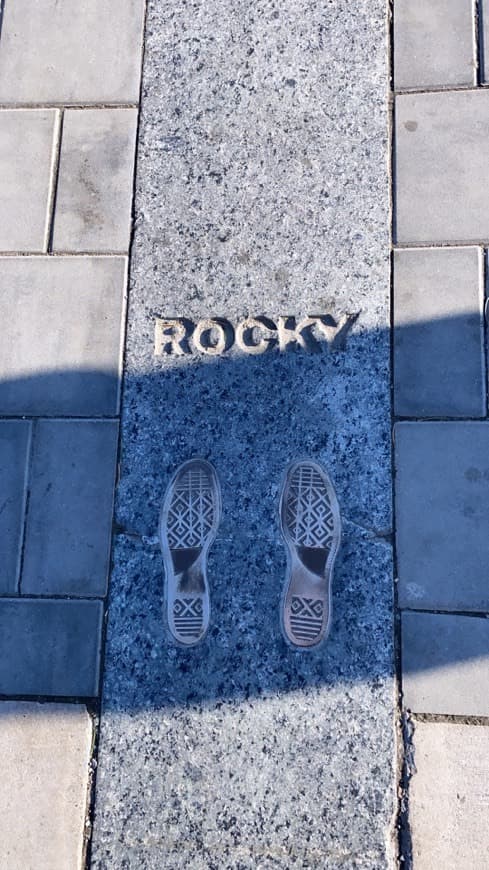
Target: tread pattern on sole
[
  {"x": 188, "y": 617},
  {"x": 192, "y": 510},
  {"x": 308, "y": 515},
  {"x": 306, "y": 618}
]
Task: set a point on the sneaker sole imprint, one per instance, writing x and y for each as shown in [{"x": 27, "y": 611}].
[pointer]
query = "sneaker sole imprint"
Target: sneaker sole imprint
[
  {"x": 188, "y": 525},
  {"x": 311, "y": 526}
]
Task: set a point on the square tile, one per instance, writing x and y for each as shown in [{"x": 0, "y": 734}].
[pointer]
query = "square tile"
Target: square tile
[
  {"x": 94, "y": 194},
  {"x": 26, "y": 169},
  {"x": 445, "y": 664},
  {"x": 50, "y": 647},
  {"x": 61, "y": 352},
  {"x": 71, "y": 52},
  {"x": 442, "y": 510},
  {"x": 439, "y": 359},
  {"x": 450, "y": 784},
  {"x": 15, "y": 438},
  {"x": 442, "y": 167},
  {"x": 434, "y": 43},
  {"x": 68, "y": 529}
]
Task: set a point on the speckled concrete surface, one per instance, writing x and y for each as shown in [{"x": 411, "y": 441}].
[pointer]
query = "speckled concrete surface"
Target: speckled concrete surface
[{"x": 262, "y": 189}]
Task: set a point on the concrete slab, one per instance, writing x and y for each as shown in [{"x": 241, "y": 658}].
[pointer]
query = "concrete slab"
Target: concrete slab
[
  {"x": 449, "y": 795},
  {"x": 439, "y": 359},
  {"x": 70, "y": 52},
  {"x": 50, "y": 647},
  {"x": 269, "y": 141},
  {"x": 442, "y": 508},
  {"x": 26, "y": 167},
  {"x": 434, "y": 44},
  {"x": 15, "y": 438},
  {"x": 61, "y": 352},
  {"x": 445, "y": 664},
  {"x": 442, "y": 167},
  {"x": 68, "y": 530},
  {"x": 45, "y": 752},
  {"x": 94, "y": 194}
]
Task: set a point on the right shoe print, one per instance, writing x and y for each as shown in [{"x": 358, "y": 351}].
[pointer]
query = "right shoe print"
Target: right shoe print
[{"x": 311, "y": 526}]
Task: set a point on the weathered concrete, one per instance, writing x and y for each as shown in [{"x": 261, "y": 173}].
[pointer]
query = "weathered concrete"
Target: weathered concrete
[
  {"x": 94, "y": 194},
  {"x": 68, "y": 531},
  {"x": 45, "y": 751},
  {"x": 449, "y": 795},
  {"x": 15, "y": 438},
  {"x": 439, "y": 357}
]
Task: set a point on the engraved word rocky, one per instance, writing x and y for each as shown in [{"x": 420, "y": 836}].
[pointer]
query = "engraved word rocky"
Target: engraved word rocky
[{"x": 215, "y": 336}]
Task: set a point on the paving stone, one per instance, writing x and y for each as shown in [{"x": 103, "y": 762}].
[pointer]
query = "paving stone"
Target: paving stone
[
  {"x": 439, "y": 364},
  {"x": 449, "y": 796},
  {"x": 68, "y": 533},
  {"x": 61, "y": 352},
  {"x": 26, "y": 167},
  {"x": 93, "y": 202},
  {"x": 45, "y": 751},
  {"x": 442, "y": 167},
  {"x": 442, "y": 500},
  {"x": 50, "y": 647},
  {"x": 434, "y": 43},
  {"x": 14, "y": 449},
  {"x": 71, "y": 52},
  {"x": 445, "y": 661}
]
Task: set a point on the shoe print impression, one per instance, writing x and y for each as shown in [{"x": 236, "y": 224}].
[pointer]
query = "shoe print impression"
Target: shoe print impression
[
  {"x": 188, "y": 525},
  {"x": 311, "y": 526}
]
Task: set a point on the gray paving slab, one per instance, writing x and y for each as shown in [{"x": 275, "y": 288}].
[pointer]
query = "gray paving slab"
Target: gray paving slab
[
  {"x": 50, "y": 647},
  {"x": 27, "y": 141},
  {"x": 434, "y": 43},
  {"x": 442, "y": 508},
  {"x": 46, "y": 752},
  {"x": 68, "y": 528},
  {"x": 15, "y": 438},
  {"x": 445, "y": 664},
  {"x": 448, "y": 796},
  {"x": 439, "y": 358},
  {"x": 61, "y": 352},
  {"x": 442, "y": 167},
  {"x": 94, "y": 193},
  {"x": 261, "y": 190},
  {"x": 70, "y": 52}
]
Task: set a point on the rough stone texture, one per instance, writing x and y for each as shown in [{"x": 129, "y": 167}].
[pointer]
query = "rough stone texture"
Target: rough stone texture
[
  {"x": 71, "y": 52},
  {"x": 445, "y": 664},
  {"x": 67, "y": 542},
  {"x": 262, "y": 190},
  {"x": 26, "y": 166},
  {"x": 45, "y": 751},
  {"x": 442, "y": 167},
  {"x": 442, "y": 508},
  {"x": 93, "y": 202},
  {"x": 434, "y": 43},
  {"x": 61, "y": 352},
  {"x": 14, "y": 448},
  {"x": 439, "y": 363},
  {"x": 50, "y": 647},
  {"x": 449, "y": 795}
]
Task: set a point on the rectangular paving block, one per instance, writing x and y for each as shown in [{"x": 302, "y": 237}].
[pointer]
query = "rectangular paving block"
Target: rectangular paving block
[
  {"x": 60, "y": 354},
  {"x": 449, "y": 796},
  {"x": 26, "y": 170},
  {"x": 439, "y": 358},
  {"x": 68, "y": 529},
  {"x": 445, "y": 664},
  {"x": 442, "y": 167},
  {"x": 71, "y": 52},
  {"x": 50, "y": 647},
  {"x": 94, "y": 193},
  {"x": 442, "y": 510},
  {"x": 45, "y": 751},
  {"x": 15, "y": 438},
  {"x": 434, "y": 43}
]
